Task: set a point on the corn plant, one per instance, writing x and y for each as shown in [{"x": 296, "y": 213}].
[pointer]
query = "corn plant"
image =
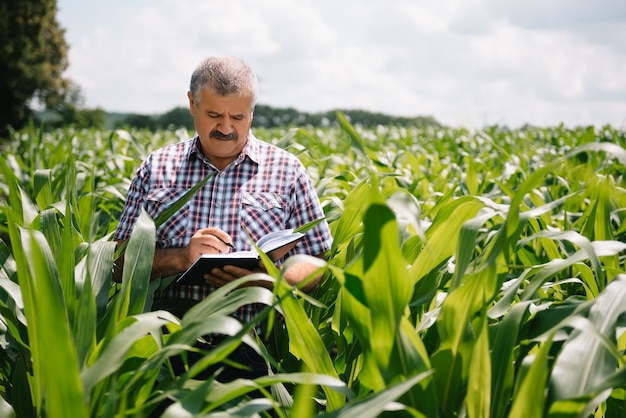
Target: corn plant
[{"x": 474, "y": 274}]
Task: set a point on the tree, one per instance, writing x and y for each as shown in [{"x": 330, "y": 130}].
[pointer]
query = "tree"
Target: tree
[
  {"x": 73, "y": 112},
  {"x": 177, "y": 117},
  {"x": 33, "y": 55},
  {"x": 139, "y": 121}
]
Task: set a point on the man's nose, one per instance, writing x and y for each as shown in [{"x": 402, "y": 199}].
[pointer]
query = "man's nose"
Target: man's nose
[{"x": 226, "y": 126}]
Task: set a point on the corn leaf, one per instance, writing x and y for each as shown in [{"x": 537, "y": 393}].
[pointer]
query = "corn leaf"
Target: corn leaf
[
  {"x": 530, "y": 398},
  {"x": 59, "y": 368},
  {"x": 585, "y": 359},
  {"x": 443, "y": 235},
  {"x": 137, "y": 266},
  {"x": 386, "y": 283},
  {"x": 479, "y": 384}
]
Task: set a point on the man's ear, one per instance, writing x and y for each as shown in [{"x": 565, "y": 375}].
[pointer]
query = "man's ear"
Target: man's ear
[{"x": 192, "y": 103}]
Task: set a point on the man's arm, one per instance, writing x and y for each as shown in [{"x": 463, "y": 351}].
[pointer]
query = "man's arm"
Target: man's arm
[
  {"x": 295, "y": 274},
  {"x": 166, "y": 262},
  {"x": 171, "y": 261}
]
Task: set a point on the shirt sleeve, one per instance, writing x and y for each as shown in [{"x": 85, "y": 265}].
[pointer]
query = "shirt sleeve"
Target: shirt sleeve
[{"x": 135, "y": 200}]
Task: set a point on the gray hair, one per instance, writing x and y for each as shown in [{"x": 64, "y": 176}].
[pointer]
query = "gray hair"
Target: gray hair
[{"x": 229, "y": 76}]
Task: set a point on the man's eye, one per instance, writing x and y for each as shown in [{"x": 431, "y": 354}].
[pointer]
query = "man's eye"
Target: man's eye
[{"x": 238, "y": 117}]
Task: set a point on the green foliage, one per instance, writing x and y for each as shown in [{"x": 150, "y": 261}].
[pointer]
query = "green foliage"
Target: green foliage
[
  {"x": 178, "y": 117},
  {"x": 477, "y": 274},
  {"x": 80, "y": 118},
  {"x": 70, "y": 113},
  {"x": 272, "y": 117},
  {"x": 33, "y": 56}
]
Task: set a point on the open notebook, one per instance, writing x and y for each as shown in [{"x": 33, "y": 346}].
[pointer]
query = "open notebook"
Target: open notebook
[{"x": 275, "y": 244}]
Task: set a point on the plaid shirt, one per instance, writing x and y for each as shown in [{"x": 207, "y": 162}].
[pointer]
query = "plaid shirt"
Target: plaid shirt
[{"x": 264, "y": 189}]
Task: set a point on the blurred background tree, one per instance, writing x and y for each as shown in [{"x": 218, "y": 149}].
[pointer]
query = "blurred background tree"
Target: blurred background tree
[
  {"x": 71, "y": 111},
  {"x": 33, "y": 56},
  {"x": 271, "y": 117}
]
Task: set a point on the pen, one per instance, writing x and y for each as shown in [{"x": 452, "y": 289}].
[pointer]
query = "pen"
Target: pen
[{"x": 227, "y": 243}]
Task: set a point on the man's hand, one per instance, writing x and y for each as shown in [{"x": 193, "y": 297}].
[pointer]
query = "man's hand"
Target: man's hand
[
  {"x": 294, "y": 275},
  {"x": 208, "y": 241},
  {"x": 171, "y": 261},
  {"x": 219, "y": 277}
]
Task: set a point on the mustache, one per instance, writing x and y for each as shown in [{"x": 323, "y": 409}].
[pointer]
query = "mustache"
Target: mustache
[{"x": 219, "y": 135}]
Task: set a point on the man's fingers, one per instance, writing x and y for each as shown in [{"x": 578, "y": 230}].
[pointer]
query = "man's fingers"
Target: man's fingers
[
  {"x": 217, "y": 233},
  {"x": 218, "y": 277},
  {"x": 206, "y": 242}
]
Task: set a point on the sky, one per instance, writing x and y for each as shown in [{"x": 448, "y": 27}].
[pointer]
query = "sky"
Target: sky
[{"x": 468, "y": 63}]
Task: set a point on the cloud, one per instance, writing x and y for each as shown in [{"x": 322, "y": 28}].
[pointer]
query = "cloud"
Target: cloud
[{"x": 475, "y": 62}]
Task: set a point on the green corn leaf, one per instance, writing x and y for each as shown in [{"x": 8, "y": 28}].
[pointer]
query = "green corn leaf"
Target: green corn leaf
[
  {"x": 69, "y": 241},
  {"x": 356, "y": 141},
  {"x": 6, "y": 410},
  {"x": 93, "y": 282},
  {"x": 138, "y": 266},
  {"x": 479, "y": 384},
  {"x": 386, "y": 283},
  {"x": 544, "y": 272},
  {"x": 24, "y": 211},
  {"x": 451, "y": 360},
  {"x": 98, "y": 271},
  {"x": 7, "y": 263},
  {"x": 466, "y": 246},
  {"x": 110, "y": 359},
  {"x": 59, "y": 368},
  {"x": 586, "y": 359},
  {"x": 51, "y": 228},
  {"x": 580, "y": 241},
  {"x": 410, "y": 357},
  {"x": 351, "y": 220},
  {"x": 504, "y": 342},
  {"x": 85, "y": 207},
  {"x": 42, "y": 183},
  {"x": 530, "y": 398},
  {"x": 352, "y": 304},
  {"x": 443, "y": 235},
  {"x": 305, "y": 343},
  {"x": 609, "y": 148},
  {"x": 29, "y": 297},
  {"x": 226, "y": 299},
  {"x": 471, "y": 177},
  {"x": 309, "y": 225},
  {"x": 374, "y": 405}
]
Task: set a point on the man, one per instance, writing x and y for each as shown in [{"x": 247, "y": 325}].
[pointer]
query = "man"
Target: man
[{"x": 254, "y": 184}]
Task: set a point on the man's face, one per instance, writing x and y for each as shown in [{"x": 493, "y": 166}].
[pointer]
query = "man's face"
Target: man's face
[{"x": 222, "y": 123}]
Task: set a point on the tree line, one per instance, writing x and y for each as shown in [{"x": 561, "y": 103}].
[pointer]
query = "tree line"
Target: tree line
[
  {"x": 179, "y": 117},
  {"x": 270, "y": 117}
]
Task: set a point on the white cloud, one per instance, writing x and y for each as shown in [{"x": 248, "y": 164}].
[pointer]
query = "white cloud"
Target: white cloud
[{"x": 471, "y": 62}]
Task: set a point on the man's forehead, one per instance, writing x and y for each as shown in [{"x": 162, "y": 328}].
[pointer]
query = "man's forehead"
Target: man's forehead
[{"x": 230, "y": 104}]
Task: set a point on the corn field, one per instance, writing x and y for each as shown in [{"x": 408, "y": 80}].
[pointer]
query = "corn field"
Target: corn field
[{"x": 472, "y": 274}]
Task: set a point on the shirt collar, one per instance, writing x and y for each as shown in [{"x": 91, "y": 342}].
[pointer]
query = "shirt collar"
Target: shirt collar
[{"x": 252, "y": 149}]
